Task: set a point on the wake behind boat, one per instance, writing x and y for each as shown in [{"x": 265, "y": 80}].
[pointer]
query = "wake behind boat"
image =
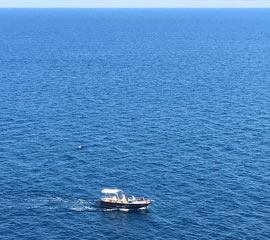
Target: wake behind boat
[{"x": 116, "y": 198}]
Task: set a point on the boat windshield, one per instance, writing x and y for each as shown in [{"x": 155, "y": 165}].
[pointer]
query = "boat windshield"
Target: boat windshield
[{"x": 112, "y": 192}]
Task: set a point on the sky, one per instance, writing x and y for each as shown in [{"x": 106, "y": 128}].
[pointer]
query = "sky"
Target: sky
[{"x": 134, "y": 3}]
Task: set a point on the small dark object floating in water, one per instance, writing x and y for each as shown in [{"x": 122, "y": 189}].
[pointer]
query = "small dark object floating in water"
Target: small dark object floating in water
[{"x": 116, "y": 198}]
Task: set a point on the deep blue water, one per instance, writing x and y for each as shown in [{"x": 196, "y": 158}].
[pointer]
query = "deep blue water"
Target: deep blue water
[{"x": 170, "y": 104}]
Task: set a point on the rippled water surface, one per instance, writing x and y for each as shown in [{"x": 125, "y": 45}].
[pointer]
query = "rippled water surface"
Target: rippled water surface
[{"x": 170, "y": 104}]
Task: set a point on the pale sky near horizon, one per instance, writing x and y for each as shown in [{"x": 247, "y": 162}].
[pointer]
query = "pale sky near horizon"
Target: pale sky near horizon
[{"x": 134, "y": 3}]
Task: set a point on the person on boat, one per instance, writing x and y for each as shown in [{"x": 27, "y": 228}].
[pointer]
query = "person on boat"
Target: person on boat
[{"x": 123, "y": 197}]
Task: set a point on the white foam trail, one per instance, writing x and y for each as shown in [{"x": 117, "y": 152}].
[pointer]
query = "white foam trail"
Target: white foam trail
[
  {"x": 81, "y": 209},
  {"x": 124, "y": 210},
  {"x": 49, "y": 203},
  {"x": 89, "y": 208},
  {"x": 75, "y": 209},
  {"x": 109, "y": 210}
]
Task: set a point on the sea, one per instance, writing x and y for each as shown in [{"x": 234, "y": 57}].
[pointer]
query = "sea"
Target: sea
[{"x": 169, "y": 104}]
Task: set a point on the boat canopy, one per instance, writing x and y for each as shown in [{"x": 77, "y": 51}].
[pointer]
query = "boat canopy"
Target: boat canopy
[{"x": 111, "y": 191}]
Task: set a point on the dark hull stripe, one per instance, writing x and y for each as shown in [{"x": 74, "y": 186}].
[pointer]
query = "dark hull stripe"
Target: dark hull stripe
[{"x": 123, "y": 205}]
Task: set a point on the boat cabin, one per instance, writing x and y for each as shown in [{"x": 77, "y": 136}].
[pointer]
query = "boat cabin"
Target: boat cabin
[{"x": 114, "y": 195}]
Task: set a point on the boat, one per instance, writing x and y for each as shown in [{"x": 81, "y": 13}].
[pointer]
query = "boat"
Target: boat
[{"x": 116, "y": 198}]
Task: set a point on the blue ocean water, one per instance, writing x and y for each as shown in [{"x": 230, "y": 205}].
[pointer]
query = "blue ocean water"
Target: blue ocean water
[{"x": 169, "y": 104}]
